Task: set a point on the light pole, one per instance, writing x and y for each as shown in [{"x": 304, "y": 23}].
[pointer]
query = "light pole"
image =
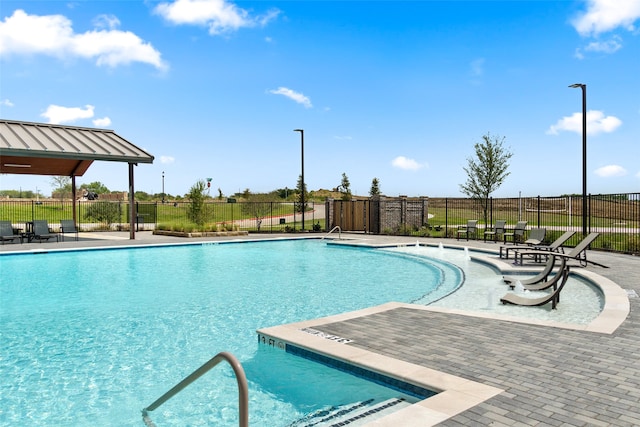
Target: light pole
[
  {"x": 584, "y": 154},
  {"x": 162, "y": 186},
  {"x": 302, "y": 175}
]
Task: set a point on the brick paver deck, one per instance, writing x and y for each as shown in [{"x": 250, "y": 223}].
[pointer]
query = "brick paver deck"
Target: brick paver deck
[{"x": 551, "y": 376}]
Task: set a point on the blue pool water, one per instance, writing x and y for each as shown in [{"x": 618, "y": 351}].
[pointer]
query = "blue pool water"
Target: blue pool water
[{"x": 92, "y": 337}]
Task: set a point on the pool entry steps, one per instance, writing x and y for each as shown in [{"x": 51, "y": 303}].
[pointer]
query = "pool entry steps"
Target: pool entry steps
[
  {"x": 356, "y": 413},
  {"x": 243, "y": 389}
]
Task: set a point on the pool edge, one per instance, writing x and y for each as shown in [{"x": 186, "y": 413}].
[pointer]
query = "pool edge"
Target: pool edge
[{"x": 455, "y": 394}]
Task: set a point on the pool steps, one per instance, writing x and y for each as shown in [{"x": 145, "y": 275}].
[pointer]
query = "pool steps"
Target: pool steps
[{"x": 354, "y": 414}]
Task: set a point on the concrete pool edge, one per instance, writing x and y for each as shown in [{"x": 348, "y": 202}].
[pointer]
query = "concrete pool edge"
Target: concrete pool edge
[{"x": 455, "y": 394}]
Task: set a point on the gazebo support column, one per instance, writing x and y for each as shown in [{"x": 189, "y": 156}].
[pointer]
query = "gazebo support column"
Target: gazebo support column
[
  {"x": 73, "y": 199},
  {"x": 132, "y": 206}
]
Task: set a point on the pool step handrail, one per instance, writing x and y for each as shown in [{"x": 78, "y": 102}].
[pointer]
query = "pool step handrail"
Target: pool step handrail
[
  {"x": 243, "y": 389},
  {"x": 337, "y": 227}
]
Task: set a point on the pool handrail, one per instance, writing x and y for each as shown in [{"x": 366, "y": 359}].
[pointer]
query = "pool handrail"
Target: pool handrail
[
  {"x": 337, "y": 227},
  {"x": 243, "y": 389}
]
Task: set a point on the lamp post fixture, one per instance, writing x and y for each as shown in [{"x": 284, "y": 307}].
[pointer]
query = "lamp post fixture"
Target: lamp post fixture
[
  {"x": 584, "y": 154},
  {"x": 302, "y": 174},
  {"x": 162, "y": 186}
]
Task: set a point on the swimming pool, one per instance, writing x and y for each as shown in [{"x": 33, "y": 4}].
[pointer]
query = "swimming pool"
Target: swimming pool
[{"x": 91, "y": 337}]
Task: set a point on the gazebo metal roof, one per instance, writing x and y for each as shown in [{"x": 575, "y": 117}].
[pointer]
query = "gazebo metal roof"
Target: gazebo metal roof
[{"x": 48, "y": 149}]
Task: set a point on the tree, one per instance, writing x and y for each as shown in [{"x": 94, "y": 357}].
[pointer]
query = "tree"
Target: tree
[
  {"x": 61, "y": 186},
  {"x": 301, "y": 190},
  {"x": 346, "y": 187},
  {"x": 96, "y": 187},
  {"x": 196, "y": 212},
  {"x": 258, "y": 206},
  {"x": 487, "y": 171},
  {"x": 104, "y": 212},
  {"x": 375, "y": 187}
]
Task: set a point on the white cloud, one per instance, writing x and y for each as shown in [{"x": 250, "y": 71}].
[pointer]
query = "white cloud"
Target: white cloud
[
  {"x": 220, "y": 16},
  {"x": 477, "y": 67},
  {"x": 609, "y": 46},
  {"x": 57, "y": 114},
  {"x": 611, "y": 170},
  {"x": 6, "y": 103},
  {"x": 402, "y": 162},
  {"x": 293, "y": 95},
  {"x": 597, "y": 123},
  {"x": 53, "y": 35},
  {"x": 603, "y": 16},
  {"x": 103, "y": 122},
  {"x": 106, "y": 21},
  {"x": 167, "y": 159}
]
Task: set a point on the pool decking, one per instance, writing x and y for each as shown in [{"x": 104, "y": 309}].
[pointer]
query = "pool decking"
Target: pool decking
[{"x": 547, "y": 376}]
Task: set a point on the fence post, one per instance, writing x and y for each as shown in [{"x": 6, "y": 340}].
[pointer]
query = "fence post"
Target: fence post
[
  {"x": 589, "y": 213},
  {"x": 490, "y": 211},
  {"x": 446, "y": 216},
  {"x": 538, "y": 211}
]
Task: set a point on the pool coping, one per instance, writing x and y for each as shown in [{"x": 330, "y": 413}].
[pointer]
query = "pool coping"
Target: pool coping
[{"x": 454, "y": 394}]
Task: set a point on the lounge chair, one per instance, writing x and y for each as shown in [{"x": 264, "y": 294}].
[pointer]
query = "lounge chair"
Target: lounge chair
[
  {"x": 541, "y": 280},
  {"x": 498, "y": 228},
  {"x": 68, "y": 226},
  {"x": 579, "y": 253},
  {"x": 536, "y": 236},
  {"x": 556, "y": 246},
  {"x": 516, "y": 234},
  {"x": 6, "y": 232},
  {"x": 470, "y": 228},
  {"x": 42, "y": 232},
  {"x": 553, "y": 297}
]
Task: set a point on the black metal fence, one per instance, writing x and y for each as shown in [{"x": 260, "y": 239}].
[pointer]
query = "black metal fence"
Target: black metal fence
[
  {"x": 615, "y": 216},
  {"x": 175, "y": 216}
]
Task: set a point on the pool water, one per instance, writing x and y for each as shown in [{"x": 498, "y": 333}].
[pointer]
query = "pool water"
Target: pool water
[
  {"x": 91, "y": 337},
  {"x": 581, "y": 301}
]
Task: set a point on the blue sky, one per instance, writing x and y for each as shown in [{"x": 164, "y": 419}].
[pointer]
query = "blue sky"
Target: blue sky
[{"x": 397, "y": 90}]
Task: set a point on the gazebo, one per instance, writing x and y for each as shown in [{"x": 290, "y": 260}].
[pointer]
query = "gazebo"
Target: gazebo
[{"x": 46, "y": 149}]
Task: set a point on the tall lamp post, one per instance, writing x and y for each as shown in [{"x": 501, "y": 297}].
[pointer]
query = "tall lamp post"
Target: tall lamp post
[
  {"x": 302, "y": 175},
  {"x": 162, "y": 186},
  {"x": 584, "y": 154}
]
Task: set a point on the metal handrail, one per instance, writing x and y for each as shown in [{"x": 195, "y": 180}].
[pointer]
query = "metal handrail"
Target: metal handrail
[
  {"x": 243, "y": 389},
  {"x": 332, "y": 230}
]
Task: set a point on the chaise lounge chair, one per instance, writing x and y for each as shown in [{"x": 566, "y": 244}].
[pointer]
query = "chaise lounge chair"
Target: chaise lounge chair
[
  {"x": 68, "y": 226},
  {"x": 553, "y": 297},
  {"x": 470, "y": 228},
  {"x": 579, "y": 253},
  {"x": 536, "y": 236},
  {"x": 541, "y": 280},
  {"x": 6, "y": 232},
  {"x": 42, "y": 232},
  {"x": 498, "y": 228},
  {"x": 516, "y": 234},
  {"x": 556, "y": 246}
]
